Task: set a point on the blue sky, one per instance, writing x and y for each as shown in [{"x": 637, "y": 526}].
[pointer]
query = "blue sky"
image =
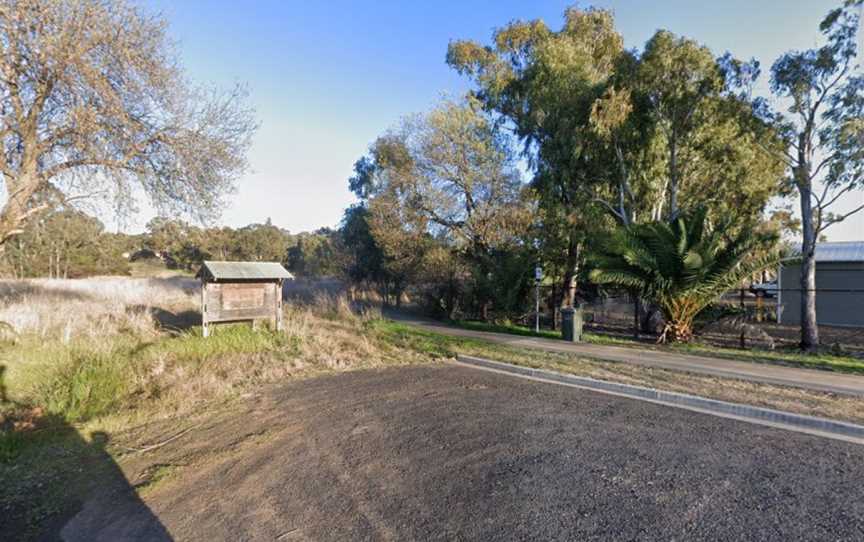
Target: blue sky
[{"x": 326, "y": 78}]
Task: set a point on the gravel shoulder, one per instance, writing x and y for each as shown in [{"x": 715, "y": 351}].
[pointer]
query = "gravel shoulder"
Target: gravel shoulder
[{"x": 445, "y": 452}]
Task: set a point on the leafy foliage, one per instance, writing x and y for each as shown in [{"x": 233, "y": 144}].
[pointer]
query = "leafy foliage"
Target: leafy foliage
[
  {"x": 65, "y": 244},
  {"x": 445, "y": 205},
  {"x": 682, "y": 266},
  {"x": 616, "y": 136}
]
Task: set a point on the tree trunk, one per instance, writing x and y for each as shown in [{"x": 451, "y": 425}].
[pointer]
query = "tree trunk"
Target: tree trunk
[
  {"x": 14, "y": 212},
  {"x": 809, "y": 326},
  {"x": 398, "y": 293},
  {"x": 568, "y": 297},
  {"x": 673, "y": 180}
]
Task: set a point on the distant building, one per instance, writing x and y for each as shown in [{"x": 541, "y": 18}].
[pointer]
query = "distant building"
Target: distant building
[{"x": 839, "y": 286}]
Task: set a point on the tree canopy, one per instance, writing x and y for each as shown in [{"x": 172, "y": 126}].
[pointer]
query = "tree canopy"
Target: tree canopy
[
  {"x": 637, "y": 136},
  {"x": 94, "y": 103}
]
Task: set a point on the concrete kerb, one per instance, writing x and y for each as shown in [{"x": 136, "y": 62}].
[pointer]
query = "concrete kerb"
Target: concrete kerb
[{"x": 812, "y": 425}]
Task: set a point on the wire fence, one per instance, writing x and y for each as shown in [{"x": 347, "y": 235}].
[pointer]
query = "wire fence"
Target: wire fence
[{"x": 741, "y": 318}]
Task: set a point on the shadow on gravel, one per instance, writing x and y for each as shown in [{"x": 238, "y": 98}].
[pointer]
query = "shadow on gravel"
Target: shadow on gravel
[{"x": 57, "y": 485}]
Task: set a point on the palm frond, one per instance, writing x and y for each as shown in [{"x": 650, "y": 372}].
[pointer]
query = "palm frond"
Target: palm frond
[{"x": 684, "y": 266}]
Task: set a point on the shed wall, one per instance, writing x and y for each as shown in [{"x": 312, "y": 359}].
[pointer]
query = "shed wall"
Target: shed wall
[{"x": 834, "y": 306}]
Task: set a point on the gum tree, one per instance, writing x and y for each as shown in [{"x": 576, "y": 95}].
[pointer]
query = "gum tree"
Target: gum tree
[
  {"x": 93, "y": 103},
  {"x": 629, "y": 136},
  {"x": 824, "y": 129},
  {"x": 449, "y": 176}
]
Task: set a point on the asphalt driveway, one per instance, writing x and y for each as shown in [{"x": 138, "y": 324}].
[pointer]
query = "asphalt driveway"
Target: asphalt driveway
[{"x": 451, "y": 453}]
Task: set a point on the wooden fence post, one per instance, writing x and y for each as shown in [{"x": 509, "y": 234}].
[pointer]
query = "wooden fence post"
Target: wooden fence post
[
  {"x": 205, "y": 329},
  {"x": 279, "y": 306}
]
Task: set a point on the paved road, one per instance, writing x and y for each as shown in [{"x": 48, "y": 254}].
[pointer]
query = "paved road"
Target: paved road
[
  {"x": 811, "y": 379},
  {"x": 445, "y": 452}
]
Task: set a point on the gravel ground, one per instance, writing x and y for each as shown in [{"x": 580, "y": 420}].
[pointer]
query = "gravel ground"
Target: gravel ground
[{"x": 452, "y": 453}]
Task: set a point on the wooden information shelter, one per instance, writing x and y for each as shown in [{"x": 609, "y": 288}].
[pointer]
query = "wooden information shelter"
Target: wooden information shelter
[{"x": 241, "y": 291}]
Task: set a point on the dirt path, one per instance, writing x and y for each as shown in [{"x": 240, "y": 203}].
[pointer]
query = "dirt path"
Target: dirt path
[{"x": 444, "y": 452}]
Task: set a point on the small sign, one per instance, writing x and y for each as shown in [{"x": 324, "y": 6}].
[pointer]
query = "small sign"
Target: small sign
[{"x": 538, "y": 273}]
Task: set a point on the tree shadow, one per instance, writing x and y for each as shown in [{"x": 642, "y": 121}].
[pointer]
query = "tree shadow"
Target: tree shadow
[
  {"x": 55, "y": 484},
  {"x": 170, "y": 321}
]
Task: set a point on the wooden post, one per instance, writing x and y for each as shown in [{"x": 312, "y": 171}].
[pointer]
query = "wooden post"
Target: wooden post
[
  {"x": 205, "y": 329},
  {"x": 279, "y": 305},
  {"x": 760, "y": 302}
]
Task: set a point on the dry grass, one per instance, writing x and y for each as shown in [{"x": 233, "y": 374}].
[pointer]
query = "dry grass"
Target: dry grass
[
  {"x": 97, "y": 351},
  {"x": 95, "y": 307}
]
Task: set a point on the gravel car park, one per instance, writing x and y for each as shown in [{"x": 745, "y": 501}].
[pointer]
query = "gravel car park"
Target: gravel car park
[{"x": 443, "y": 452}]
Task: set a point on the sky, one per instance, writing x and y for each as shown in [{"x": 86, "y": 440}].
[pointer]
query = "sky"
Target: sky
[{"x": 326, "y": 78}]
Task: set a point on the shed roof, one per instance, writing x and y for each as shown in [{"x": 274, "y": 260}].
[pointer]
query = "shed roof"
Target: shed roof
[
  {"x": 244, "y": 270},
  {"x": 844, "y": 251}
]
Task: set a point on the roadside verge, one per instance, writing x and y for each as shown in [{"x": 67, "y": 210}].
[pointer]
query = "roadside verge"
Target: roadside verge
[{"x": 822, "y": 427}]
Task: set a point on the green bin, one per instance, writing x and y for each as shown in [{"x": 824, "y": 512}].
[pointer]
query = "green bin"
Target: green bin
[{"x": 571, "y": 324}]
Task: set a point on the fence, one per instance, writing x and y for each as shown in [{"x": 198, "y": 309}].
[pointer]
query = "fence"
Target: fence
[{"x": 770, "y": 320}]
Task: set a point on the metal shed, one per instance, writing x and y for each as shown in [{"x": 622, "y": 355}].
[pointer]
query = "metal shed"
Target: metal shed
[
  {"x": 241, "y": 291},
  {"x": 839, "y": 286}
]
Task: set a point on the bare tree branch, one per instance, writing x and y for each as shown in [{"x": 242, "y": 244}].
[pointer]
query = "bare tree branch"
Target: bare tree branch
[{"x": 91, "y": 90}]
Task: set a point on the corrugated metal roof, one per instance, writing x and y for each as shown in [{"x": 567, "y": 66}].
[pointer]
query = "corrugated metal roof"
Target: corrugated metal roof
[
  {"x": 245, "y": 270},
  {"x": 844, "y": 251}
]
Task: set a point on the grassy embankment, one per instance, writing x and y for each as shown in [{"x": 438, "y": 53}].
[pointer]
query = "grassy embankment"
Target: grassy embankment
[
  {"x": 786, "y": 356},
  {"x": 110, "y": 353},
  {"x": 88, "y": 366}
]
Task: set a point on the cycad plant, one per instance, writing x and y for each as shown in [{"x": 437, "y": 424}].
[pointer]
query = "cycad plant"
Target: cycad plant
[{"x": 682, "y": 266}]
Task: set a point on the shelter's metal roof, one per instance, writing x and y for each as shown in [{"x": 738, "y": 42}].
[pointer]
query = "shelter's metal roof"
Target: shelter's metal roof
[
  {"x": 245, "y": 270},
  {"x": 845, "y": 251}
]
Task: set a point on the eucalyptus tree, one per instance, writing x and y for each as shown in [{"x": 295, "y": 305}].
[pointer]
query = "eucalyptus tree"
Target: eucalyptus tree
[
  {"x": 639, "y": 136},
  {"x": 542, "y": 83},
  {"x": 64, "y": 243},
  {"x": 92, "y": 102},
  {"x": 824, "y": 128},
  {"x": 454, "y": 169},
  {"x": 448, "y": 178}
]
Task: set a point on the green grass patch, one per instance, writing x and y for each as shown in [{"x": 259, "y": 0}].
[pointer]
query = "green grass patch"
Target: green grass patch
[
  {"x": 438, "y": 345},
  {"x": 792, "y": 357},
  {"x": 510, "y": 328},
  {"x": 88, "y": 378},
  {"x": 523, "y": 331},
  {"x": 789, "y": 356},
  {"x": 191, "y": 347}
]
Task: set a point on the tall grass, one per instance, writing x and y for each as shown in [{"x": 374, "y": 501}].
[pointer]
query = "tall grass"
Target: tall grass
[
  {"x": 94, "y": 349},
  {"x": 96, "y": 307}
]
